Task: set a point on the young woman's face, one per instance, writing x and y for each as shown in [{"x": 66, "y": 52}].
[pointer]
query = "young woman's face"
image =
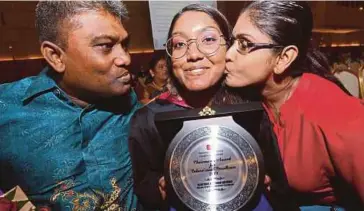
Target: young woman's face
[
  {"x": 246, "y": 65},
  {"x": 203, "y": 66}
]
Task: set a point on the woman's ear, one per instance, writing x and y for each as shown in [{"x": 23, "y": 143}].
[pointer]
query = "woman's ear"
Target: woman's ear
[
  {"x": 287, "y": 56},
  {"x": 54, "y": 55},
  {"x": 151, "y": 72}
]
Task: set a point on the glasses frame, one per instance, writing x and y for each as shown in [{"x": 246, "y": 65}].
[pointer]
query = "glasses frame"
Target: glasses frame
[
  {"x": 190, "y": 41},
  {"x": 253, "y": 46}
]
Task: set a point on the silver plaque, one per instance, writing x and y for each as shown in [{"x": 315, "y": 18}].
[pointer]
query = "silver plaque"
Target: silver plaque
[{"x": 214, "y": 164}]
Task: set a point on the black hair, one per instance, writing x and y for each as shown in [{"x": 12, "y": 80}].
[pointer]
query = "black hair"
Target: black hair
[
  {"x": 51, "y": 15},
  {"x": 156, "y": 57},
  {"x": 216, "y": 15},
  {"x": 290, "y": 23}
]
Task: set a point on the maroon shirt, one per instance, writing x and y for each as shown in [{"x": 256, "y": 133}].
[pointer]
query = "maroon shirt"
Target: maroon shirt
[{"x": 321, "y": 127}]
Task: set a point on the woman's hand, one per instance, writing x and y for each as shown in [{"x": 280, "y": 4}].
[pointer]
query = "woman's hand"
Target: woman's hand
[
  {"x": 162, "y": 188},
  {"x": 267, "y": 182}
]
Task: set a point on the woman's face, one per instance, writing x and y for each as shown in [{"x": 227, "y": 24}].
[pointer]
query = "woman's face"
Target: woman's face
[
  {"x": 159, "y": 72},
  {"x": 199, "y": 68},
  {"x": 246, "y": 65}
]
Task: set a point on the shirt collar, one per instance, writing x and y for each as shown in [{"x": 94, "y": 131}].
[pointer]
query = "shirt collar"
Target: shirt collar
[
  {"x": 44, "y": 82},
  {"x": 41, "y": 84},
  {"x": 174, "y": 99}
]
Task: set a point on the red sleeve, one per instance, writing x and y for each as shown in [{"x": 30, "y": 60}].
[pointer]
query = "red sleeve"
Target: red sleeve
[
  {"x": 345, "y": 146},
  {"x": 341, "y": 119}
]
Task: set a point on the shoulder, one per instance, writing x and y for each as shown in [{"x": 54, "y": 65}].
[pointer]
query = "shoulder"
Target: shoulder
[
  {"x": 326, "y": 104},
  {"x": 321, "y": 91},
  {"x": 15, "y": 90},
  {"x": 155, "y": 106},
  {"x": 144, "y": 116},
  {"x": 22, "y": 84},
  {"x": 143, "y": 129}
]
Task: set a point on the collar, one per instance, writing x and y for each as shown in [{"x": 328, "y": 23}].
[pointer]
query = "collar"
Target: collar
[
  {"x": 174, "y": 99},
  {"x": 41, "y": 84},
  {"x": 44, "y": 83}
]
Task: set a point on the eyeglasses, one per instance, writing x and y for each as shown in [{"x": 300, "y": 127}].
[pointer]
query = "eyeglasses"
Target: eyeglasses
[
  {"x": 245, "y": 47},
  {"x": 207, "y": 42}
]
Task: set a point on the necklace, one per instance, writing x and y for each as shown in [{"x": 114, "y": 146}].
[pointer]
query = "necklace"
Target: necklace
[
  {"x": 276, "y": 109},
  {"x": 157, "y": 86}
]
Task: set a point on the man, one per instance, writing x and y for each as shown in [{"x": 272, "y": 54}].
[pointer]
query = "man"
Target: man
[{"x": 63, "y": 133}]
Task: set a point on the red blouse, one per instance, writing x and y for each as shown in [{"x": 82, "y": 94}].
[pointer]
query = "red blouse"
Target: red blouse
[{"x": 317, "y": 120}]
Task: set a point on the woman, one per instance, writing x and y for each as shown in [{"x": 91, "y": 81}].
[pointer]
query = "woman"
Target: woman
[
  {"x": 319, "y": 127},
  {"x": 196, "y": 49},
  {"x": 159, "y": 77}
]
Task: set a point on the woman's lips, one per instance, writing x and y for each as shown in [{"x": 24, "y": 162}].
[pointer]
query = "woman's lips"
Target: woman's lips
[{"x": 196, "y": 71}]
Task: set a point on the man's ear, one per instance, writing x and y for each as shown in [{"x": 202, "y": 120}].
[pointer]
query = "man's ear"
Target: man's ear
[
  {"x": 287, "y": 56},
  {"x": 151, "y": 72},
  {"x": 54, "y": 55}
]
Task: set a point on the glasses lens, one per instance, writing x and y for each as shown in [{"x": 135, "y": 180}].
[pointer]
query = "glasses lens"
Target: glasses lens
[
  {"x": 209, "y": 41},
  {"x": 243, "y": 46},
  {"x": 176, "y": 46}
]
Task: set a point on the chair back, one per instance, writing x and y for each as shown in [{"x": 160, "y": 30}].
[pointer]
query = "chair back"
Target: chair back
[{"x": 361, "y": 81}]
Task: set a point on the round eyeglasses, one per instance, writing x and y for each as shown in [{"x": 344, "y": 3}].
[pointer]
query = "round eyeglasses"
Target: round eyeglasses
[{"x": 207, "y": 42}]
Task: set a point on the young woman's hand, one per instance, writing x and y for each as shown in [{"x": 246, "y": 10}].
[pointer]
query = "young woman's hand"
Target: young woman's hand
[
  {"x": 162, "y": 188},
  {"x": 267, "y": 182}
]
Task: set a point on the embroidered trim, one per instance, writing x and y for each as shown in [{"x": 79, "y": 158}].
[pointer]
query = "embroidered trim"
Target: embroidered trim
[
  {"x": 109, "y": 204},
  {"x": 88, "y": 201},
  {"x": 79, "y": 201}
]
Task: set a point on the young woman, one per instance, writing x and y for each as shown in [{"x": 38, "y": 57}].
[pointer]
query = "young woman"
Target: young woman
[
  {"x": 196, "y": 48},
  {"x": 319, "y": 127}
]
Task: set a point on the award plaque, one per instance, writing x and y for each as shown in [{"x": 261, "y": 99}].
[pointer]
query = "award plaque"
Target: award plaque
[{"x": 213, "y": 162}]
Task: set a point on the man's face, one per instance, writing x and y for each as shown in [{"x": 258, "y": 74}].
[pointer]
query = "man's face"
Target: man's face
[{"x": 96, "y": 57}]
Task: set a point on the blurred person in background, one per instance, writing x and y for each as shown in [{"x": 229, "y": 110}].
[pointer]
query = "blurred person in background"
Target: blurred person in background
[{"x": 156, "y": 83}]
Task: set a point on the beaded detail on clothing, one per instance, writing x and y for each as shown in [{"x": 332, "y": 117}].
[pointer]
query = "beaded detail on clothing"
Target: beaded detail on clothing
[
  {"x": 90, "y": 200},
  {"x": 207, "y": 111}
]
